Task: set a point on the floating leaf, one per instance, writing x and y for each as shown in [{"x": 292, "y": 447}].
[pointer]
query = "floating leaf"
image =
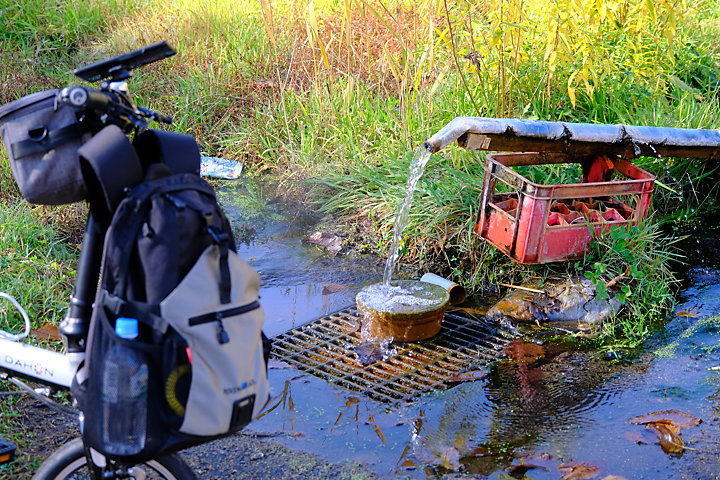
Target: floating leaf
[
  {"x": 377, "y": 429},
  {"x": 47, "y": 332},
  {"x": 582, "y": 471},
  {"x": 677, "y": 417},
  {"x": 669, "y": 436},
  {"x": 687, "y": 314}
]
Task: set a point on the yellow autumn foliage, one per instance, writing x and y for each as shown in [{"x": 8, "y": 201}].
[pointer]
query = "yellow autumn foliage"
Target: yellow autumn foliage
[{"x": 577, "y": 44}]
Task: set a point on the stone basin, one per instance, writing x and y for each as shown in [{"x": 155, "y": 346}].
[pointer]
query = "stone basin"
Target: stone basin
[{"x": 404, "y": 311}]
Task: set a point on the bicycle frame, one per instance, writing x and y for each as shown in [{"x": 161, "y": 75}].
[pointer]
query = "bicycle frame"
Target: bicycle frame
[{"x": 46, "y": 366}]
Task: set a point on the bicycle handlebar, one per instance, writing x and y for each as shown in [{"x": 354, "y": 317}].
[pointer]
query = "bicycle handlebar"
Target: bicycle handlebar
[{"x": 111, "y": 105}]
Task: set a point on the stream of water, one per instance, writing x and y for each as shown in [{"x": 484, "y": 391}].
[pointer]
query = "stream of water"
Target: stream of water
[{"x": 417, "y": 167}]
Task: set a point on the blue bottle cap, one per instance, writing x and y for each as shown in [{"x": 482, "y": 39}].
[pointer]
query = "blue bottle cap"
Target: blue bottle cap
[{"x": 126, "y": 327}]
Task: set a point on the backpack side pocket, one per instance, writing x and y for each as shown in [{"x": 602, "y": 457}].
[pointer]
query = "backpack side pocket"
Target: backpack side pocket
[{"x": 152, "y": 426}]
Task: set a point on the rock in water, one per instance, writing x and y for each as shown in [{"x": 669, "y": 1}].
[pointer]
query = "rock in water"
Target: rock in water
[
  {"x": 572, "y": 301},
  {"x": 328, "y": 241}
]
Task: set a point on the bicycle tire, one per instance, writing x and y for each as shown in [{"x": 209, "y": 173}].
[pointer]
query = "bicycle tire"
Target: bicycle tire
[{"x": 69, "y": 463}]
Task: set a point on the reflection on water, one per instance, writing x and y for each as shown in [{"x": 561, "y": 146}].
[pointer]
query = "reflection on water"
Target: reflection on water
[{"x": 289, "y": 306}]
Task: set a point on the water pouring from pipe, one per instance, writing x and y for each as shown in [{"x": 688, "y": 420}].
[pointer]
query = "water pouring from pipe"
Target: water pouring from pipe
[
  {"x": 417, "y": 167},
  {"x": 402, "y": 310}
]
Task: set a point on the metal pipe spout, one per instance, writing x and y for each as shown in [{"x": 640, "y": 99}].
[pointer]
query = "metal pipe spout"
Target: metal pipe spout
[{"x": 629, "y": 141}]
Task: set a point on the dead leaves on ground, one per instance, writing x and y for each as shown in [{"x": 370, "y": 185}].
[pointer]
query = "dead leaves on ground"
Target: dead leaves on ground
[
  {"x": 47, "y": 332},
  {"x": 667, "y": 425}
]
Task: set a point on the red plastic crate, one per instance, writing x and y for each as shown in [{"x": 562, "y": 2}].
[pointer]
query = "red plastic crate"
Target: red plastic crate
[{"x": 536, "y": 224}]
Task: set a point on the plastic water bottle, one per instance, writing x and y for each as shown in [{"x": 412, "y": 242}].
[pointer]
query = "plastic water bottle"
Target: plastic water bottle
[{"x": 124, "y": 394}]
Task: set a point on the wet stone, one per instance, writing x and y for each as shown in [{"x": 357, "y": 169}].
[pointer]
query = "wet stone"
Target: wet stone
[
  {"x": 572, "y": 301},
  {"x": 330, "y": 242}
]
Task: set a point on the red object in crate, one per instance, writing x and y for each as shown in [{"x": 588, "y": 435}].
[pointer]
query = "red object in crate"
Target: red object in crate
[{"x": 536, "y": 224}]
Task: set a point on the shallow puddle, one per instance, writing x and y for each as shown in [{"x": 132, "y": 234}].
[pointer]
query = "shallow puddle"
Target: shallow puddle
[
  {"x": 299, "y": 282},
  {"x": 540, "y": 414}
]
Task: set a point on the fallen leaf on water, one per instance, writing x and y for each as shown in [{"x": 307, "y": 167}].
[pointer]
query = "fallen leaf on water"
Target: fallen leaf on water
[
  {"x": 523, "y": 352},
  {"x": 408, "y": 463},
  {"x": 377, "y": 429},
  {"x": 668, "y": 434},
  {"x": 582, "y": 471},
  {"x": 690, "y": 314},
  {"x": 47, "y": 332},
  {"x": 469, "y": 376},
  {"x": 678, "y": 417}
]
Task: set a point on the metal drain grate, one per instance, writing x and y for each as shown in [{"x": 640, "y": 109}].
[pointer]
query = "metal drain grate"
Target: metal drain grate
[{"x": 325, "y": 347}]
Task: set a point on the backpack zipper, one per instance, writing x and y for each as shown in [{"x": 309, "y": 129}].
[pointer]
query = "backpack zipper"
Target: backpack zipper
[{"x": 220, "y": 315}]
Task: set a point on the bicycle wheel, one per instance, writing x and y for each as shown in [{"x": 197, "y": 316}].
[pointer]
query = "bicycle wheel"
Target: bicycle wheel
[{"x": 69, "y": 463}]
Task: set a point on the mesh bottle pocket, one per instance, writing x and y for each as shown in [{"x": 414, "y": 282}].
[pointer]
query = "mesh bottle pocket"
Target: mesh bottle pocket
[{"x": 124, "y": 419}]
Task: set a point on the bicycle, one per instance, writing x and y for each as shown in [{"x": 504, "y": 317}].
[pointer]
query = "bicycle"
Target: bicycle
[{"x": 111, "y": 104}]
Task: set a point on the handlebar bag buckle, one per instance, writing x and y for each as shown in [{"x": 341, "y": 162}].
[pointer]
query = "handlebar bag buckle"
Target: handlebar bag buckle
[{"x": 42, "y": 139}]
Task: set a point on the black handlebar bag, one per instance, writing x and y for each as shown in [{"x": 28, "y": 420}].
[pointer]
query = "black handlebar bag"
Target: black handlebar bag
[{"x": 42, "y": 138}]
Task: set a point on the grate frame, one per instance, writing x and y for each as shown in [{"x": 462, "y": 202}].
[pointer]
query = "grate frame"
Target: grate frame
[{"x": 325, "y": 348}]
